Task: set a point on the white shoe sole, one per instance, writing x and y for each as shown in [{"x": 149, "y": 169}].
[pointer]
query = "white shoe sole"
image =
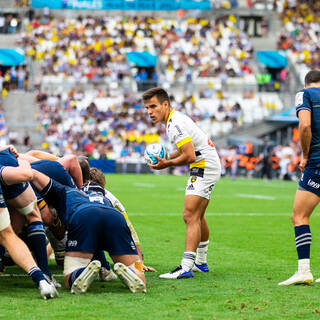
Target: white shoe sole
[
  {"x": 307, "y": 280},
  {"x": 83, "y": 282},
  {"x": 129, "y": 278}
]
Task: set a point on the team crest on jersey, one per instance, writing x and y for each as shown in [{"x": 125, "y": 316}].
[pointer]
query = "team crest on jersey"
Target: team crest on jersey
[{"x": 193, "y": 179}]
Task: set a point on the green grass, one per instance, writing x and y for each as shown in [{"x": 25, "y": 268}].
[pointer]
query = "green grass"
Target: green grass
[{"x": 252, "y": 248}]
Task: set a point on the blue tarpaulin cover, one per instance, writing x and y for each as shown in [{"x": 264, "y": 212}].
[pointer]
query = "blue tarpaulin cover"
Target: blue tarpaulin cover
[
  {"x": 11, "y": 57},
  {"x": 272, "y": 59},
  {"x": 142, "y": 59},
  {"x": 288, "y": 115}
]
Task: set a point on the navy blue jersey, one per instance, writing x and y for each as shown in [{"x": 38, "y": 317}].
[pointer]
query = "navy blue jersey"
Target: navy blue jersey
[
  {"x": 54, "y": 170},
  {"x": 68, "y": 201},
  {"x": 309, "y": 99},
  {"x": 2, "y": 201},
  {"x": 8, "y": 159}
]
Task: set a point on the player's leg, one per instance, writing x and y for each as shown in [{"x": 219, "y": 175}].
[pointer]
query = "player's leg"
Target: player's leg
[
  {"x": 79, "y": 271},
  {"x": 22, "y": 257},
  {"x": 106, "y": 273},
  {"x": 200, "y": 264},
  {"x": 26, "y": 204},
  {"x": 304, "y": 204},
  {"x": 193, "y": 212},
  {"x": 129, "y": 268},
  {"x": 114, "y": 233}
]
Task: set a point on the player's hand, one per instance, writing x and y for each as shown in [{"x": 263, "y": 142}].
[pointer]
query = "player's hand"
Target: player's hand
[
  {"x": 210, "y": 143},
  {"x": 162, "y": 164},
  {"x": 303, "y": 164},
  {"x": 148, "y": 269},
  {"x": 13, "y": 150}
]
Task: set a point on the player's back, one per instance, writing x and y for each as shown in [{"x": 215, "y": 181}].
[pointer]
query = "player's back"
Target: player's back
[
  {"x": 309, "y": 99},
  {"x": 54, "y": 170}
]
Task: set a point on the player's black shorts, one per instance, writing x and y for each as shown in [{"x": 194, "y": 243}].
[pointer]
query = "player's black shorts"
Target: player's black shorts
[
  {"x": 97, "y": 228},
  {"x": 310, "y": 181}
]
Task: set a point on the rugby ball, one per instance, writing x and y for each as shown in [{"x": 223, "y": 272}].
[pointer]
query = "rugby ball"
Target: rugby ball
[{"x": 152, "y": 150}]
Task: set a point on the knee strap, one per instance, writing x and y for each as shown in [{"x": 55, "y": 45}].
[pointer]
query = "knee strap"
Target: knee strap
[
  {"x": 27, "y": 209},
  {"x": 74, "y": 263},
  {"x": 4, "y": 219}
]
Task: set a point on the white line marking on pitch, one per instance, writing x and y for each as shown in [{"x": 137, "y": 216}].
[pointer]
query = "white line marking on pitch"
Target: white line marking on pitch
[
  {"x": 144, "y": 185},
  {"x": 14, "y": 275},
  {"x": 178, "y": 214},
  {"x": 254, "y": 196}
]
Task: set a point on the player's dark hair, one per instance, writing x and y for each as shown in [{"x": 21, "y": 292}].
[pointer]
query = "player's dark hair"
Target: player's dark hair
[
  {"x": 85, "y": 168},
  {"x": 160, "y": 93},
  {"x": 97, "y": 176},
  {"x": 312, "y": 76}
]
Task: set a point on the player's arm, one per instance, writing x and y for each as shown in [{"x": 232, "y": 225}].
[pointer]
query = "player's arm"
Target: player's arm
[
  {"x": 174, "y": 155},
  {"x": 71, "y": 164},
  {"x": 42, "y": 155},
  {"x": 305, "y": 136},
  {"x": 186, "y": 156},
  {"x": 14, "y": 175},
  {"x": 303, "y": 110}
]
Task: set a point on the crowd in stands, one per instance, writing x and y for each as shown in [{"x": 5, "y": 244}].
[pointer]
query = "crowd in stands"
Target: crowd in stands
[
  {"x": 301, "y": 37},
  {"x": 10, "y": 23},
  {"x": 13, "y": 78},
  {"x": 94, "y": 48},
  {"x": 106, "y": 124}
]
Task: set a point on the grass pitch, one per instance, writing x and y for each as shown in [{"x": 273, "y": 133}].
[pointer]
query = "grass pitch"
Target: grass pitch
[{"x": 251, "y": 249}]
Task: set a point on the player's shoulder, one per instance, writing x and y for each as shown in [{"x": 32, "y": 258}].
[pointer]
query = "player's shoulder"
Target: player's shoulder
[{"x": 300, "y": 97}]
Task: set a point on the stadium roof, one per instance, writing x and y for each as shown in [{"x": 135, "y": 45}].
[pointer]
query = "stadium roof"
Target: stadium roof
[{"x": 11, "y": 57}]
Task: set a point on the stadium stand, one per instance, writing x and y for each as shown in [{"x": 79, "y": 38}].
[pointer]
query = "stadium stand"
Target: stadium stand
[
  {"x": 300, "y": 38},
  {"x": 85, "y": 82}
]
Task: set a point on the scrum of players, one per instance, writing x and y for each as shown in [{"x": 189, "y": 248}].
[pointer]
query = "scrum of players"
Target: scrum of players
[{"x": 63, "y": 200}]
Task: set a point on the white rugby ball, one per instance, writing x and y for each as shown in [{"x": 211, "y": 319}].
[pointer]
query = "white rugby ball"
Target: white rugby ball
[{"x": 152, "y": 150}]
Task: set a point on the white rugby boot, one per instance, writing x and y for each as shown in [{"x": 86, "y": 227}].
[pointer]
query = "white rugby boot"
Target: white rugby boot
[
  {"x": 299, "y": 277},
  {"x": 129, "y": 278},
  {"x": 47, "y": 290},
  {"x": 107, "y": 275},
  {"x": 177, "y": 273},
  {"x": 83, "y": 282}
]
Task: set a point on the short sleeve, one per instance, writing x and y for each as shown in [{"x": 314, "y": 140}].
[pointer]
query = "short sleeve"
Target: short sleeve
[
  {"x": 179, "y": 135},
  {"x": 302, "y": 101}
]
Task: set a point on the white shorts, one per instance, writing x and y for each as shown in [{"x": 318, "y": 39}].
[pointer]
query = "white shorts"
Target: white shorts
[
  {"x": 4, "y": 218},
  {"x": 204, "y": 175}
]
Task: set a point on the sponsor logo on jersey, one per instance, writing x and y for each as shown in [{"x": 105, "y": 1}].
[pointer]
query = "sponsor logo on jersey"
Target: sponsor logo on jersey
[{"x": 179, "y": 131}]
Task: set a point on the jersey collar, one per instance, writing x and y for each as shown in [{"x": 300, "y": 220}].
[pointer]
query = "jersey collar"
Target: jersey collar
[{"x": 170, "y": 114}]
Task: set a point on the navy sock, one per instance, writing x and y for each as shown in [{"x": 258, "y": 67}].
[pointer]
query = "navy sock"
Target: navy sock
[
  {"x": 74, "y": 275},
  {"x": 2, "y": 252},
  {"x": 37, "y": 244},
  {"x": 102, "y": 258},
  {"x": 303, "y": 241},
  {"x": 36, "y": 274}
]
